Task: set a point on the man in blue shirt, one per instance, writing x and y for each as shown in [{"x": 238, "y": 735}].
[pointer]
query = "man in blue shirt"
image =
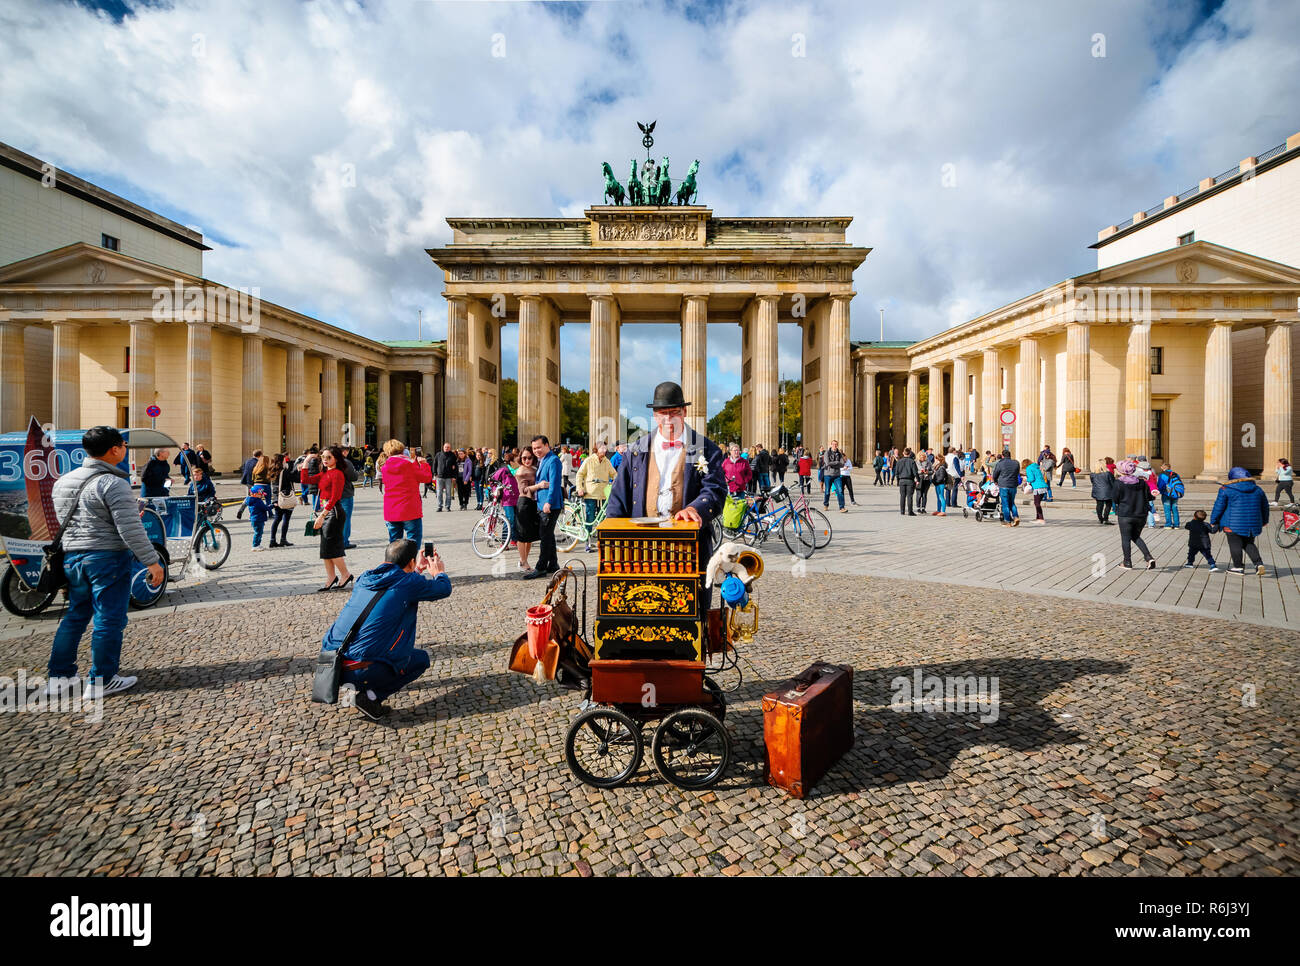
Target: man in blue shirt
[
  {"x": 616, "y": 458},
  {"x": 549, "y": 493},
  {"x": 382, "y": 658}
]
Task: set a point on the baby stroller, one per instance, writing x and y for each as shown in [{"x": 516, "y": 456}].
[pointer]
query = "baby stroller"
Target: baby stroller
[{"x": 983, "y": 500}]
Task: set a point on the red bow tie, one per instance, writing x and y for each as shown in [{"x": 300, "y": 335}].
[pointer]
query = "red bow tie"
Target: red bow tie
[{"x": 669, "y": 443}]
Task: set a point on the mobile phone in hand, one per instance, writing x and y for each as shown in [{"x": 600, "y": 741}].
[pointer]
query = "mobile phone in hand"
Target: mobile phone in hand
[{"x": 428, "y": 548}]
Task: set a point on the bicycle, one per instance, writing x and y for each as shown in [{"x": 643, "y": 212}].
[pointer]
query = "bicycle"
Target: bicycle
[
  {"x": 491, "y": 534},
  {"x": 822, "y": 523},
  {"x": 573, "y": 524},
  {"x": 796, "y": 526},
  {"x": 211, "y": 544},
  {"x": 1287, "y": 531}
]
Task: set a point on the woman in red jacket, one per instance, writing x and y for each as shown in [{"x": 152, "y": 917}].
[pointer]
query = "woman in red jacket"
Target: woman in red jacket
[
  {"x": 331, "y": 517},
  {"x": 402, "y": 476}
]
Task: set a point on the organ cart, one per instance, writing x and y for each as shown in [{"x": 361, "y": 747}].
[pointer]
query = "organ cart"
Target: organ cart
[{"x": 655, "y": 641}]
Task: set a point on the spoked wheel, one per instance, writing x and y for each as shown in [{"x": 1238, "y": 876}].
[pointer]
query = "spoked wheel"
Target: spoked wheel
[
  {"x": 603, "y": 747},
  {"x": 821, "y": 527},
  {"x": 212, "y": 546},
  {"x": 20, "y": 599},
  {"x": 490, "y": 536},
  {"x": 566, "y": 532},
  {"x": 798, "y": 534},
  {"x": 691, "y": 748},
  {"x": 1283, "y": 537}
]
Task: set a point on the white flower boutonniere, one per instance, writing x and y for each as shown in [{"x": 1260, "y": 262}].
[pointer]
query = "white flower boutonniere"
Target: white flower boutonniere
[{"x": 701, "y": 465}]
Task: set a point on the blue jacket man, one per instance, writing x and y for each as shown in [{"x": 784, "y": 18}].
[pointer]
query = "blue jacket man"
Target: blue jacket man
[
  {"x": 704, "y": 489},
  {"x": 549, "y": 493},
  {"x": 382, "y": 658}
]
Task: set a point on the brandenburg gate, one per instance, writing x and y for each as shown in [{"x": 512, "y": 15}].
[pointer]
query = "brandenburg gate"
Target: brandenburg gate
[{"x": 673, "y": 264}]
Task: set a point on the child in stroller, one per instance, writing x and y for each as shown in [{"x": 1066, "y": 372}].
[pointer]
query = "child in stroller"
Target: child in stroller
[{"x": 983, "y": 499}]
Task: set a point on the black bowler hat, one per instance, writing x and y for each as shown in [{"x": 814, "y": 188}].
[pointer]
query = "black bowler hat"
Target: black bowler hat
[{"x": 668, "y": 395}]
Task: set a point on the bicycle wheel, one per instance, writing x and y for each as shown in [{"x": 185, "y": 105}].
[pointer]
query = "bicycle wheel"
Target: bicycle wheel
[
  {"x": 798, "y": 533},
  {"x": 570, "y": 529},
  {"x": 490, "y": 536},
  {"x": 20, "y": 599},
  {"x": 753, "y": 532},
  {"x": 821, "y": 527},
  {"x": 212, "y": 546},
  {"x": 142, "y": 593},
  {"x": 1283, "y": 537}
]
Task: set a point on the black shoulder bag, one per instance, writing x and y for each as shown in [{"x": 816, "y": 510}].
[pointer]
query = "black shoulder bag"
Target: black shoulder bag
[
  {"x": 53, "y": 577},
  {"x": 329, "y": 664}
]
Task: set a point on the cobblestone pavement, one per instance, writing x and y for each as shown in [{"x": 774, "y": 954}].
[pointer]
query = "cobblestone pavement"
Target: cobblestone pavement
[
  {"x": 1071, "y": 557},
  {"x": 1127, "y": 742}
]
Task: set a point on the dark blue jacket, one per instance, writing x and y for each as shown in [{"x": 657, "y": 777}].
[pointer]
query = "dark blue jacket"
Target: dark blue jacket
[
  {"x": 204, "y": 490},
  {"x": 1241, "y": 507},
  {"x": 388, "y": 634},
  {"x": 705, "y": 492}
]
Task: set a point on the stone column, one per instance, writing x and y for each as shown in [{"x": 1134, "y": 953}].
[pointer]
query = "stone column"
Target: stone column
[
  {"x": 140, "y": 382},
  {"x": 295, "y": 401},
  {"x": 251, "y": 428},
  {"x": 331, "y": 406},
  {"x": 695, "y": 356},
  {"x": 1137, "y": 390},
  {"x": 898, "y": 420},
  {"x": 934, "y": 412},
  {"x": 837, "y": 386},
  {"x": 67, "y": 375},
  {"x": 767, "y": 373},
  {"x": 914, "y": 411},
  {"x": 397, "y": 392},
  {"x": 13, "y": 382},
  {"x": 357, "y": 408},
  {"x": 1028, "y": 428},
  {"x": 960, "y": 403},
  {"x": 1277, "y": 395},
  {"x": 459, "y": 374},
  {"x": 867, "y": 413},
  {"x": 198, "y": 382},
  {"x": 1078, "y": 405},
  {"x": 1218, "y": 402},
  {"x": 991, "y": 404},
  {"x": 428, "y": 427},
  {"x": 602, "y": 400},
  {"x": 384, "y": 408},
  {"x": 532, "y": 371}
]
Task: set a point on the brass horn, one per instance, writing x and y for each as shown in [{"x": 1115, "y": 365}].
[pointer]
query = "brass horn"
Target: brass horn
[{"x": 752, "y": 562}]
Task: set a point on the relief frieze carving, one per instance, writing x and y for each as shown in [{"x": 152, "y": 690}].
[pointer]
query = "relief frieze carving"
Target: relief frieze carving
[{"x": 649, "y": 231}]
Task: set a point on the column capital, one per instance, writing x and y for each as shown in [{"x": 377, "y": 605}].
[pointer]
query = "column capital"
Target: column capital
[
  {"x": 767, "y": 297},
  {"x": 457, "y": 297},
  {"x": 695, "y": 297},
  {"x": 841, "y": 296},
  {"x": 595, "y": 297}
]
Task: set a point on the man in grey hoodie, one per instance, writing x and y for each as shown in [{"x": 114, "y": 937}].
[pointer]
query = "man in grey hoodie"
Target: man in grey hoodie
[{"x": 101, "y": 532}]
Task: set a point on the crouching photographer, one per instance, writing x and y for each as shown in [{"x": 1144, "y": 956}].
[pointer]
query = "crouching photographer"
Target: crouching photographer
[{"x": 377, "y": 625}]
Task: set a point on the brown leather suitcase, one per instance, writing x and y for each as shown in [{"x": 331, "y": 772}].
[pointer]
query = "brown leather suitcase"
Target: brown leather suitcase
[{"x": 807, "y": 726}]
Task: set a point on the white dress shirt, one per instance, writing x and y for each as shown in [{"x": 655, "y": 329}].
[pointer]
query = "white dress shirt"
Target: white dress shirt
[{"x": 666, "y": 460}]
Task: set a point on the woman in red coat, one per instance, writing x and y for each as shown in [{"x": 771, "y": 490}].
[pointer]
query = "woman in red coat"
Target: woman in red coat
[
  {"x": 402, "y": 475},
  {"x": 331, "y": 517}
]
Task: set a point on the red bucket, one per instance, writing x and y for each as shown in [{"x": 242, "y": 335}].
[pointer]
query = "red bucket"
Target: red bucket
[{"x": 539, "y": 630}]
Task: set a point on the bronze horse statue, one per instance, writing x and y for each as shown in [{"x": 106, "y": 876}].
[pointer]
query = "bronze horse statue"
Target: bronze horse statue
[
  {"x": 687, "y": 191},
  {"x": 612, "y": 188},
  {"x": 635, "y": 190}
]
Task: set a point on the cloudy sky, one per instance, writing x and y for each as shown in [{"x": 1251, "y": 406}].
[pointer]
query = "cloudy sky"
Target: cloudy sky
[{"x": 321, "y": 146}]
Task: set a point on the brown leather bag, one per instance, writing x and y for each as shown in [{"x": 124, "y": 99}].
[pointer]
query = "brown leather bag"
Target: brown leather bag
[{"x": 563, "y": 633}]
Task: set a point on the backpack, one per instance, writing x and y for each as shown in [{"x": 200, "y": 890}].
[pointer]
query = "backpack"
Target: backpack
[
  {"x": 940, "y": 474},
  {"x": 1175, "y": 488}
]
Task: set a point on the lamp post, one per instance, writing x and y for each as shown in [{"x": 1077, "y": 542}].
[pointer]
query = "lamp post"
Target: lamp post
[{"x": 882, "y": 325}]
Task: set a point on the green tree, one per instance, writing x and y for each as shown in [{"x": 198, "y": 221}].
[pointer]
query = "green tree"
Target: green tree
[
  {"x": 725, "y": 426},
  {"x": 792, "y": 424},
  {"x": 509, "y": 412},
  {"x": 574, "y": 410}
]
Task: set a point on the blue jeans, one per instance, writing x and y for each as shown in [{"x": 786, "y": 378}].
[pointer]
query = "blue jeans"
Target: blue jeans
[
  {"x": 99, "y": 585},
  {"x": 764, "y": 482},
  {"x": 1008, "y": 495},
  {"x": 836, "y": 486},
  {"x": 259, "y": 523},
  {"x": 941, "y": 493},
  {"x": 1047, "y": 478},
  {"x": 382, "y": 679},
  {"x": 509, "y": 511},
  {"x": 346, "y": 504},
  {"x": 411, "y": 529},
  {"x": 1171, "y": 511}
]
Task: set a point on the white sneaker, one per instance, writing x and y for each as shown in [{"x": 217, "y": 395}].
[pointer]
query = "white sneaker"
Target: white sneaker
[
  {"x": 56, "y": 686},
  {"x": 118, "y": 683},
  {"x": 255, "y": 549}
]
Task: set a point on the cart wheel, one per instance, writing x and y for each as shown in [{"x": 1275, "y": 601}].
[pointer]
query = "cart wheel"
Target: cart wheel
[
  {"x": 603, "y": 747},
  {"x": 964, "y": 513},
  {"x": 691, "y": 748},
  {"x": 719, "y": 698},
  {"x": 20, "y": 599}
]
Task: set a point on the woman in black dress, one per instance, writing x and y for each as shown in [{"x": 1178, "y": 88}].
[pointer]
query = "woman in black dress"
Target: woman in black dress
[{"x": 527, "y": 518}]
